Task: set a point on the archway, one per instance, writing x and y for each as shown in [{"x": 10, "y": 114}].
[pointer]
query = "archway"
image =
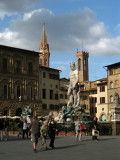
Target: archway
[
  {"x": 18, "y": 112},
  {"x": 103, "y": 117}
]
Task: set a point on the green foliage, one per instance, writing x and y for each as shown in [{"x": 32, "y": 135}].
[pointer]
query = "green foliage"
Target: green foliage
[
  {"x": 13, "y": 126},
  {"x": 105, "y": 128},
  {"x": 62, "y": 127}
]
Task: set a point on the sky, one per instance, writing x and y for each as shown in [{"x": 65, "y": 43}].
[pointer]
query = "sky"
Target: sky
[{"x": 89, "y": 25}]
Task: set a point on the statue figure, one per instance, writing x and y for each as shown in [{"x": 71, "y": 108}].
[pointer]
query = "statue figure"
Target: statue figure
[
  {"x": 26, "y": 114},
  {"x": 68, "y": 111},
  {"x": 116, "y": 99},
  {"x": 73, "y": 86}
]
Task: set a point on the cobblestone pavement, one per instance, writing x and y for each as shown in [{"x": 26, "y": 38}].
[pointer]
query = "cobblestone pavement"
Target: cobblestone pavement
[{"x": 67, "y": 148}]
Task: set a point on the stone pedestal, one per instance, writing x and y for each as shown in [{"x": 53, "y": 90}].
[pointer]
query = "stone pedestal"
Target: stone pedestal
[
  {"x": 115, "y": 113},
  {"x": 116, "y": 128},
  {"x": 115, "y": 120}
]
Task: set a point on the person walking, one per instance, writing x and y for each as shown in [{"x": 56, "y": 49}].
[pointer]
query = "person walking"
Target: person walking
[
  {"x": 35, "y": 129},
  {"x": 52, "y": 131},
  {"x": 77, "y": 129},
  {"x": 1, "y": 129},
  {"x": 6, "y": 127},
  {"x": 94, "y": 127},
  {"x": 43, "y": 132},
  {"x": 20, "y": 128},
  {"x": 25, "y": 129}
]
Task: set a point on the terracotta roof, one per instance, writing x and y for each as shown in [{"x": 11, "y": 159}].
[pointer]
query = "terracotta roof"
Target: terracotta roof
[
  {"x": 91, "y": 89},
  {"x": 48, "y": 68},
  {"x": 114, "y": 64},
  {"x": 102, "y": 82},
  {"x": 64, "y": 79},
  {"x": 103, "y": 79}
]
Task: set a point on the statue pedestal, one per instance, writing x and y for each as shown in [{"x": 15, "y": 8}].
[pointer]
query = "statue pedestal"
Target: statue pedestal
[
  {"x": 116, "y": 120},
  {"x": 115, "y": 113},
  {"x": 116, "y": 128}
]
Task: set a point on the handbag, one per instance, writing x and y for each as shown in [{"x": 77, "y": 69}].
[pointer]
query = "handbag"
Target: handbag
[
  {"x": 82, "y": 127},
  {"x": 95, "y": 132}
]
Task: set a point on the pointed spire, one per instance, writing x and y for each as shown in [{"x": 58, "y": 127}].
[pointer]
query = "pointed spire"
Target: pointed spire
[
  {"x": 44, "y": 50},
  {"x": 43, "y": 45}
]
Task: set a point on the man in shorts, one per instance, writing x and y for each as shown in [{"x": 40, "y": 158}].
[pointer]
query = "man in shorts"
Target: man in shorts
[{"x": 35, "y": 129}]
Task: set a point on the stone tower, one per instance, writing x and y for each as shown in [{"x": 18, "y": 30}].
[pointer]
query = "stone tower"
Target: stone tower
[
  {"x": 82, "y": 65},
  {"x": 44, "y": 50}
]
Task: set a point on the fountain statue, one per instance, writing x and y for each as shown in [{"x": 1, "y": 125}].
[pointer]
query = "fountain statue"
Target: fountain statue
[
  {"x": 73, "y": 105},
  {"x": 26, "y": 115}
]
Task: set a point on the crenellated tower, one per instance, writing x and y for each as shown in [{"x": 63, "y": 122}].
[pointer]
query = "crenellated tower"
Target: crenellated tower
[
  {"x": 82, "y": 65},
  {"x": 44, "y": 50}
]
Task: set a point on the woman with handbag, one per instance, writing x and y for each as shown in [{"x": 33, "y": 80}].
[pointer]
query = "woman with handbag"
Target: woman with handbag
[
  {"x": 82, "y": 129},
  {"x": 94, "y": 127}
]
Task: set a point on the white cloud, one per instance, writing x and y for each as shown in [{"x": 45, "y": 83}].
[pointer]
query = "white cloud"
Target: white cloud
[
  {"x": 118, "y": 28},
  {"x": 65, "y": 32},
  {"x": 9, "y": 7}
]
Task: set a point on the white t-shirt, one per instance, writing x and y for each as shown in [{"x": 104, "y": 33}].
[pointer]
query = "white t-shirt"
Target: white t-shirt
[{"x": 24, "y": 126}]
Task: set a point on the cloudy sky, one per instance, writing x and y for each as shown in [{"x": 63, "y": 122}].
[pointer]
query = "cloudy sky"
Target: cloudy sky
[{"x": 68, "y": 25}]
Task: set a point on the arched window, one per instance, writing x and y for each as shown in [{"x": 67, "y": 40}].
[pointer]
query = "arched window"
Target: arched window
[
  {"x": 18, "y": 92},
  {"x": 111, "y": 117},
  {"x": 116, "y": 84},
  {"x": 103, "y": 117},
  {"x": 79, "y": 64},
  {"x": 45, "y": 62},
  {"x": 111, "y": 99},
  {"x": 51, "y": 107},
  {"x": 5, "y": 112},
  {"x": 18, "y": 112},
  {"x": 44, "y": 106},
  {"x": 4, "y": 64},
  {"x": 30, "y": 68},
  {"x": 84, "y": 64},
  {"x": 111, "y": 84}
]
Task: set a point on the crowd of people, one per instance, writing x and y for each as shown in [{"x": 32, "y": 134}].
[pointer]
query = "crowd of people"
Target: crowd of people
[
  {"x": 4, "y": 125},
  {"x": 81, "y": 127},
  {"x": 35, "y": 130},
  {"x": 42, "y": 130}
]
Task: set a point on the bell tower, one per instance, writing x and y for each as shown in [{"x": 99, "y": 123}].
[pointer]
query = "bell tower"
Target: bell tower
[
  {"x": 82, "y": 65},
  {"x": 44, "y": 50}
]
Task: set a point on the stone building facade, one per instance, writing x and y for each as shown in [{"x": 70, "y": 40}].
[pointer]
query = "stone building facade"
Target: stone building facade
[
  {"x": 102, "y": 100},
  {"x": 19, "y": 80},
  {"x": 64, "y": 82},
  {"x": 113, "y": 75},
  {"x": 49, "y": 86}
]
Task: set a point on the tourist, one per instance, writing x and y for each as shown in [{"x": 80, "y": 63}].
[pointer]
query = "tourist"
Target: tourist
[
  {"x": 77, "y": 129},
  {"x": 20, "y": 128},
  {"x": 82, "y": 129},
  {"x": 25, "y": 129},
  {"x": 43, "y": 132},
  {"x": 1, "y": 129},
  {"x": 94, "y": 127},
  {"x": 52, "y": 131},
  {"x": 6, "y": 127},
  {"x": 35, "y": 129}
]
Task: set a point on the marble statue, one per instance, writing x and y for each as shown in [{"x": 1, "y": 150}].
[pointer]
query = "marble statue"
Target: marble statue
[
  {"x": 68, "y": 112},
  {"x": 116, "y": 99},
  {"x": 73, "y": 86},
  {"x": 27, "y": 114}
]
